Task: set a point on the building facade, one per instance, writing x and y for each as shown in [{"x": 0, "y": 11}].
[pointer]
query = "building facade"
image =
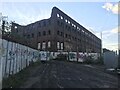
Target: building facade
[{"x": 58, "y": 33}]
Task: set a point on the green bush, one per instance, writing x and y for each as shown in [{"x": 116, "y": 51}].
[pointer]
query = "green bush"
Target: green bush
[
  {"x": 100, "y": 60},
  {"x": 88, "y": 60}
]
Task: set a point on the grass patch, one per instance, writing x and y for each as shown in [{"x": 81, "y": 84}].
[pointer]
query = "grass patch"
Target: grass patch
[{"x": 17, "y": 79}]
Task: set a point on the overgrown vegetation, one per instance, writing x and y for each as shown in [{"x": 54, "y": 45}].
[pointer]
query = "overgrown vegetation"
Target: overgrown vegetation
[
  {"x": 90, "y": 60},
  {"x": 14, "y": 81}
]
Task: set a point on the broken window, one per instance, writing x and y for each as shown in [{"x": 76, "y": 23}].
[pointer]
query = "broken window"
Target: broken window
[
  {"x": 39, "y": 45},
  {"x": 61, "y": 46},
  {"x": 58, "y": 45},
  {"x": 58, "y": 15},
  {"x": 49, "y": 32},
  {"x": 39, "y": 34},
  {"x": 61, "y": 17},
  {"x": 44, "y": 33},
  {"x": 43, "y": 45},
  {"x": 58, "y": 22},
  {"x": 49, "y": 44},
  {"x": 32, "y": 35},
  {"x": 58, "y": 32}
]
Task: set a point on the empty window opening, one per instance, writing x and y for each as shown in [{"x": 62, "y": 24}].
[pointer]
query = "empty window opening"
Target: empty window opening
[{"x": 58, "y": 15}]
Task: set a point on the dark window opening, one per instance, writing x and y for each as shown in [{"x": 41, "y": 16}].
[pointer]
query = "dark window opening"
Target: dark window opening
[
  {"x": 66, "y": 27},
  {"x": 58, "y": 32},
  {"x": 44, "y": 24},
  {"x": 32, "y": 35},
  {"x": 69, "y": 28},
  {"x": 66, "y": 35},
  {"x": 17, "y": 30},
  {"x": 61, "y": 34},
  {"x": 69, "y": 37},
  {"x": 49, "y": 32},
  {"x": 44, "y": 33},
  {"x": 39, "y": 34},
  {"x": 58, "y": 22},
  {"x": 28, "y": 36}
]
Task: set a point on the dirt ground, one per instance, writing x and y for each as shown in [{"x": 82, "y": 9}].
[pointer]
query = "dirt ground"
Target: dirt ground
[{"x": 60, "y": 74}]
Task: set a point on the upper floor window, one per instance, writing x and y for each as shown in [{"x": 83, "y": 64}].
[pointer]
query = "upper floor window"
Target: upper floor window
[
  {"x": 32, "y": 35},
  {"x": 58, "y": 15},
  {"x": 44, "y": 33},
  {"x": 66, "y": 35},
  {"x": 61, "y": 17},
  {"x": 66, "y": 26},
  {"x": 58, "y": 32},
  {"x": 66, "y": 20},
  {"x": 62, "y": 34},
  {"x": 44, "y": 23},
  {"x": 58, "y": 22},
  {"x": 28, "y": 36},
  {"x": 49, "y": 32},
  {"x": 69, "y": 36},
  {"x": 75, "y": 38},
  {"x": 61, "y": 24},
  {"x": 39, "y": 34}
]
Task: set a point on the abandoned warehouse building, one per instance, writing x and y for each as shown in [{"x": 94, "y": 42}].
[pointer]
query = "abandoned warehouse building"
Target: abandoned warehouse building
[{"x": 58, "y": 33}]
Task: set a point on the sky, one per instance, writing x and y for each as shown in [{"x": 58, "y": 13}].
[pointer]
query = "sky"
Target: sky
[{"x": 101, "y": 18}]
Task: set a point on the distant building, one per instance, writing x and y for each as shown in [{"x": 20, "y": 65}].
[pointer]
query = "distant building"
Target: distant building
[
  {"x": 59, "y": 32},
  {"x": 105, "y": 50}
]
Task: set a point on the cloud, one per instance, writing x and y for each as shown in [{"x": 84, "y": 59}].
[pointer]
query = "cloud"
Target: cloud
[
  {"x": 111, "y": 46},
  {"x": 23, "y": 13},
  {"x": 28, "y": 18},
  {"x": 110, "y": 39},
  {"x": 116, "y": 30},
  {"x": 111, "y": 7}
]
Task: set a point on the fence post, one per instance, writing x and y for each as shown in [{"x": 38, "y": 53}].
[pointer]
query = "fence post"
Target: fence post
[
  {"x": 10, "y": 59},
  {"x": 16, "y": 57},
  {"x": 13, "y": 57},
  {"x": 6, "y": 58},
  {"x": 21, "y": 57}
]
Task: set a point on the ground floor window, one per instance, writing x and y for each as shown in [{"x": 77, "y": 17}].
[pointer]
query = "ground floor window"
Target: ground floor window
[
  {"x": 39, "y": 45},
  {"x": 49, "y": 44},
  {"x": 58, "y": 45},
  {"x": 43, "y": 45},
  {"x": 61, "y": 46}
]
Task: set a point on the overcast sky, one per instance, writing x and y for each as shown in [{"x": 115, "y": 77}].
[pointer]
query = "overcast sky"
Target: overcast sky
[{"x": 98, "y": 17}]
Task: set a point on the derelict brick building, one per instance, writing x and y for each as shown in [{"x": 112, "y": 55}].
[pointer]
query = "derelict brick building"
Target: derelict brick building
[{"x": 59, "y": 32}]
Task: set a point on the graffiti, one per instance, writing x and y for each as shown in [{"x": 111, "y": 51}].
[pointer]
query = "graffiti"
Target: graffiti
[{"x": 16, "y": 57}]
